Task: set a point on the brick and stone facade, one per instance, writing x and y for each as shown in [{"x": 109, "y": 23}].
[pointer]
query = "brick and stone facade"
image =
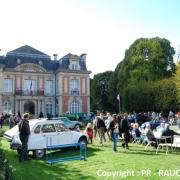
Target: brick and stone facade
[{"x": 31, "y": 82}]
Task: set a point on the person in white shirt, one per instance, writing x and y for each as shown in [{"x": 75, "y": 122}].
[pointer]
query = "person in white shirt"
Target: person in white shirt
[{"x": 107, "y": 123}]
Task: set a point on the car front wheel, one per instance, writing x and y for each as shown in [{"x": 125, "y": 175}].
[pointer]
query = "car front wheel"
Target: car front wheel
[{"x": 39, "y": 153}]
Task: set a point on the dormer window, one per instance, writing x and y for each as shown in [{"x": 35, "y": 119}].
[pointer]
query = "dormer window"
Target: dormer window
[
  {"x": 40, "y": 63},
  {"x": 19, "y": 61},
  {"x": 74, "y": 64}
]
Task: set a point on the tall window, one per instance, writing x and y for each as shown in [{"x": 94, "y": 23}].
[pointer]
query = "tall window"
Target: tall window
[
  {"x": 49, "y": 108},
  {"x": 74, "y": 65},
  {"x": 75, "y": 87},
  {"x": 8, "y": 85},
  {"x": 7, "y": 107},
  {"x": 74, "y": 84},
  {"x": 29, "y": 85},
  {"x": 49, "y": 87},
  {"x": 75, "y": 107}
]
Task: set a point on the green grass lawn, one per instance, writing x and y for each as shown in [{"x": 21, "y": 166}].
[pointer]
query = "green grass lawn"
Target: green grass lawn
[{"x": 100, "y": 159}]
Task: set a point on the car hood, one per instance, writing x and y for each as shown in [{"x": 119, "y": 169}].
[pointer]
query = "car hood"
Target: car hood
[{"x": 9, "y": 134}]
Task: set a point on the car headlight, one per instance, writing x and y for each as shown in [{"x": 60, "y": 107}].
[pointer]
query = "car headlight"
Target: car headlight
[
  {"x": 15, "y": 143},
  {"x": 16, "y": 139}
]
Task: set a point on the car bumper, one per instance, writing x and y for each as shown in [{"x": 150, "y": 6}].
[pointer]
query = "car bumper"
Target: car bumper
[{"x": 15, "y": 145}]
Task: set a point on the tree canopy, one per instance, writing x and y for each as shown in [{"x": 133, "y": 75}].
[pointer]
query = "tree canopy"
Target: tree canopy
[
  {"x": 99, "y": 91},
  {"x": 146, "y": 60},
  {"x": 142, "y": 78}
]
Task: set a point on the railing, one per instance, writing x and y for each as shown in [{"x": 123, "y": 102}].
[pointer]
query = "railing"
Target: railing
[
  {"x": 50, "y": 146},
  {"x": 75, "y": 92},
  {"x": 21, "y": 92}
]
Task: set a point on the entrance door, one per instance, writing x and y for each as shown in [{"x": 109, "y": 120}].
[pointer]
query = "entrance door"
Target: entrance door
[{"x": 29, "y": 107}]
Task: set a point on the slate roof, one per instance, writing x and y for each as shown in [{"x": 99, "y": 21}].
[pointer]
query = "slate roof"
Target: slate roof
[
  {"x": 27, "y": 54},
  {"x": 65, "y": 60},
  {"x": 28, "y": 51}
]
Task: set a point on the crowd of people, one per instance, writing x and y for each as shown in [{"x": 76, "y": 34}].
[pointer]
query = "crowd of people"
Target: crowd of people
[
  {"x": 127, "y": 127},
  {"x": 109, "y": 127},
  {"x": 24, "y": 130},
  {"x": 11, "y": 119}
]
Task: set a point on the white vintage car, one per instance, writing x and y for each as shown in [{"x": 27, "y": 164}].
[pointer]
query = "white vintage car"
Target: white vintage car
[{"x": 45, "y": 133}]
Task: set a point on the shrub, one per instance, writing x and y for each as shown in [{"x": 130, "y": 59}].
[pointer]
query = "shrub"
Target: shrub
[{"x": 6, "y": 171}]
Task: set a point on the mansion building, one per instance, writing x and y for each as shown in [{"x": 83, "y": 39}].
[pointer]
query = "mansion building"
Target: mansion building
[{"x": 30, "y": 81}]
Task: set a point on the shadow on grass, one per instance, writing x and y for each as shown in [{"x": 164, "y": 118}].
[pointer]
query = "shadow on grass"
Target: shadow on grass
[
  {"x": 40, "y": 169},
  {"x": 133, "y": 149},
  {"x": 140, "y": 152},
  {"x": 136, "y": 149},
  {"x": 90, "y": 151}
]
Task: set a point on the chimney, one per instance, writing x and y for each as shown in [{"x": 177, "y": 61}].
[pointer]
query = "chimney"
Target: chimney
[{"x": 55, "y": 57}]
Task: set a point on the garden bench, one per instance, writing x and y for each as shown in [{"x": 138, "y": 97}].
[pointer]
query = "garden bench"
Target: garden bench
[{"x": 51, "y": 160}]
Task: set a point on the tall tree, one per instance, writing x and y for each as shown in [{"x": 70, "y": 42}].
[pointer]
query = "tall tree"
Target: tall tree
[
  {"x": 146, "y": 60},
  {"x": 99, "y": 91},
  {"x": 176, "y": 79},
  {"x": 165, "y": 94},
  {"x": 113, "y": 92},
  {"x": 151, "y": 96},
  {"x": 138, "y": 78}
]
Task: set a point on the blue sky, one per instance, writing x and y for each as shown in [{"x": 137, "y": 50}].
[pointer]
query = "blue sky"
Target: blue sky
[{"x": 103, "y": 29}]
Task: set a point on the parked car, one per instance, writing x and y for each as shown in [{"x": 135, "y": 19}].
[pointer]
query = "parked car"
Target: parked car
[
  {"x": 68, "y": 123},
  {"x": 74, "y": 116},
  {"x": 42, "y": 133}
]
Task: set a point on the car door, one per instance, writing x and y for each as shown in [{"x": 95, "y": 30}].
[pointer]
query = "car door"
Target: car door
[
  {"x": 49, "y": 134},
  {"x": 43, "y": 135},
  {"x": 36, "y": 139},
  {"x": 64, "y": 135}
]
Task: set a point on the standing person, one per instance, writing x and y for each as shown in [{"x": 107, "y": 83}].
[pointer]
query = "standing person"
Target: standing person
[
  {"x": 17, "y": 119},
  {"x": 178, "y": 121},
  {"x": 95, "y": 126},
  {"x": 1, "y": 120},
  {"x": 101, "y": 127},
  {"x": 107, "y": 123},
  {"x": 89, "y": 132},
  {"x": 125, "y": 131},
  {"x": 24, "y": 131},
  {"x": 114, "y": 127},
  {"x": 11, "y": 121}
]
